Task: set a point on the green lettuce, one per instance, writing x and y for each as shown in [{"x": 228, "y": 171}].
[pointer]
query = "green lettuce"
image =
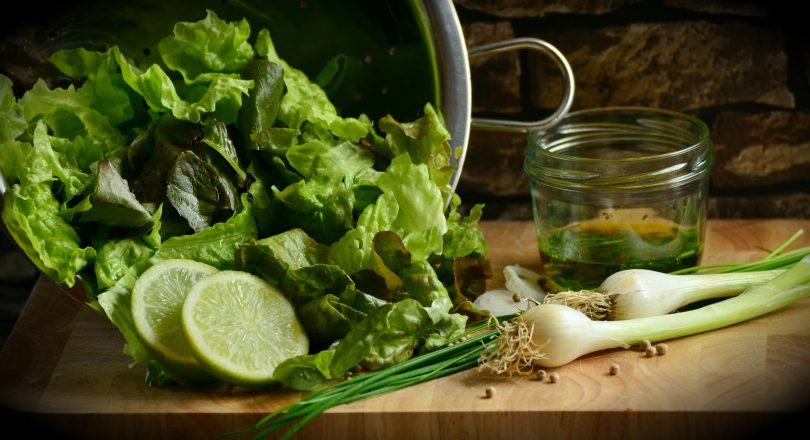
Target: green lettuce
[
  {"x": 31, "y": 215},
  {"x": 68, "y": 114},
  {"x": 111, "y": 203},
  {"x": 12, "y": 121},
  {"x": 425, "y": 140},
  {"x": 420, "y": 220},
  {"x": 215, "y": 246},
  {"x": 205, "y": 46},
  {"x": 104, "y": 88},
  {"x": 227, "y": 155},
  {"x": 305, "y": 101}
]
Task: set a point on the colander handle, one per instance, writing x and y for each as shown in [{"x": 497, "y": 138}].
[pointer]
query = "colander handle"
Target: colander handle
[{"x": 567, "y": 84}]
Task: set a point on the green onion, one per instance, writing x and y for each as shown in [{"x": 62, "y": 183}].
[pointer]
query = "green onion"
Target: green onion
[
  {"x": 638, "y": 293},
  {"x": 564, "y": 334},
  {"x": 775, "y": 260}
]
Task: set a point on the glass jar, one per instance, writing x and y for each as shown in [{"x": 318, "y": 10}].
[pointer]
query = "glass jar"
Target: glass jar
[{"x": 618, "y": 188}]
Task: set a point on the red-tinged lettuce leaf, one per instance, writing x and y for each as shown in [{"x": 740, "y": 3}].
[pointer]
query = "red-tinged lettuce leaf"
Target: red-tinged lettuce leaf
[
  {"x": 198, "y": 191},
  {"x": 305, "y": 101},
  {"x": 260, "y": 108},
  {"x": 170, "y": 138},
  {"x": 470, "y": 278},
  {"x": 388, "y": 258},
  {"x": 215, "y": 135},
  {"x": 190, "y": 166},
  {"x": 111, "y": 203}
]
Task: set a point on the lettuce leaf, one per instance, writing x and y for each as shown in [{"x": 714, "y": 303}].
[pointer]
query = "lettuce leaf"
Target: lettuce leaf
[
  {"x": 69, "y": 115},
  {"x": 205, "y": 46},
  {"x": 116, "y": 303},
  {"x": 216, "y": 245},
  {"x": 220, "y": 94},
  {"x": 12, "y": 122},
  {"x": 111, "y": 203},
  {"x": 420, "y": 220},
  {"x": 322, "y": 209},
  {"x": 426, "y": 141},
  {"x": 198, "y": 191},
  {"x": 305, "y": 101},
  {"x": 104, "y": 88},
  {"x": 31, "y": 215}
]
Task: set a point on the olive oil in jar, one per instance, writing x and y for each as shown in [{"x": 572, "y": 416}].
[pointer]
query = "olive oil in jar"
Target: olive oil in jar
[{"x": 581, "y": 255}]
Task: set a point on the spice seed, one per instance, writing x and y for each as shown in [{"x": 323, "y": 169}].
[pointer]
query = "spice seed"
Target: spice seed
[
  {"x": 541, "y": 375},
  {"x": 614, "y": 369},
  {"x": 645, "y": 344},
  {"x": 490, "y": 392},
  {"x": 661, "y": 349},
  {"x": 650, "y": 351},
  {"x": 553, "y": 377}
]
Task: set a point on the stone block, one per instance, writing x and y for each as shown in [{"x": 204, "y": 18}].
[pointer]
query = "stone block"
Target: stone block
[
  {"x": 748, "y": 8},
  {"x": 494, "y": 165},
  {"x": 680, "y": 66},
  {"x": 761, "y": 149},
  {"x": 534, "y": 8},
  {"x": 792, "y": 205},
  {"x": 495, "y": 78}
]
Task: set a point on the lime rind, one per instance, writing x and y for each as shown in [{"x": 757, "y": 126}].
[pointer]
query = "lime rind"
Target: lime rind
[
  {"x": 240, "y": 327},
  {"x": 157, "y": 303}
]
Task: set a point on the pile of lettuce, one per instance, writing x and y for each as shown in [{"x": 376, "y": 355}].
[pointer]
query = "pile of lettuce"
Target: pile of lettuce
[{"x": 227, "y": 155}]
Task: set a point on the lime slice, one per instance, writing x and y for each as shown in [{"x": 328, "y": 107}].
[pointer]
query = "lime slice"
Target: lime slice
[
  {"x": 241, "y": 327},
  {"x": 157, "y": 305}
]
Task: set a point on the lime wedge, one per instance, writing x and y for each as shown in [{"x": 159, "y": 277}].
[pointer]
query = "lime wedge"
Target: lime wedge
[
  {"x": 157, "y": 304},
  {"x": 240, "y": 327}
]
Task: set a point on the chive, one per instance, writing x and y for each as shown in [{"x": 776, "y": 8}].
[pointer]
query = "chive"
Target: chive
[
  {"x": 774, "y": 260},
  {"x": 785, "y": 244},
  {"x": 419, "y": 369}
]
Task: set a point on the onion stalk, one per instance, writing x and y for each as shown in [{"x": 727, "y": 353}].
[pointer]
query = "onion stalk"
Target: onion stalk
[
  {"x": 638, "y": 293},
  {"x": 563, "y": 334}
]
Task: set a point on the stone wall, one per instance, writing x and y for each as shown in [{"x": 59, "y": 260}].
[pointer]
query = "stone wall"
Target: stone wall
[{"x": 743, "y": 67}]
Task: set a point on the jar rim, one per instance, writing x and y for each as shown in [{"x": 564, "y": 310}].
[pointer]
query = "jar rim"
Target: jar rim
[
  {"x": 620, "y": 148},
  {"x": 702, "y": 136}
]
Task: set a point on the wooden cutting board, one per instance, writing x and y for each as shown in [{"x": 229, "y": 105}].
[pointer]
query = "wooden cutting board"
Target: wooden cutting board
[{"x": 62, "y": 370}]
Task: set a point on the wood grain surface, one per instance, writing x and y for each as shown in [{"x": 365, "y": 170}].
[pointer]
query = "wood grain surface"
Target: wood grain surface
[{"x": 63, "y": 370}]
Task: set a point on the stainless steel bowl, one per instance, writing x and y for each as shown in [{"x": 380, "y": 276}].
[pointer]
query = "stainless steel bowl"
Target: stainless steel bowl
[{"x": 132, "y": 26}]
